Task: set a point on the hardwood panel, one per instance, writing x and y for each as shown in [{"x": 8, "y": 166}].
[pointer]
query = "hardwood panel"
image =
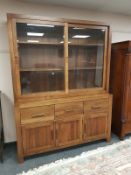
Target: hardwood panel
[
  {"x": 38, "y": 136},
  {"x": 95, "y": 126},
  {"x": 35, "y": 114},
  {"x": 69, "y": 131},
  {"x": 68, "y": 109}
]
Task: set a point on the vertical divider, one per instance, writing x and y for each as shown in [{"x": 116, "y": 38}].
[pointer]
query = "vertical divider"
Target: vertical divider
[
  {"x": 105, "y": 61},
  {"x": 66, "y": 57},
  {"x": 16, "y": 57}
]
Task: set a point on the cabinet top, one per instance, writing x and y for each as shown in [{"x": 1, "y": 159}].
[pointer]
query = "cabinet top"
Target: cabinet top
[
  {"x": 122, "y": 45},
  {"x": 62, "y": 20}
]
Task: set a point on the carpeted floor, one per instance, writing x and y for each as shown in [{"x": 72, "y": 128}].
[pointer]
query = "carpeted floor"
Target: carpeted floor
[{"x": 11, "y": 166}]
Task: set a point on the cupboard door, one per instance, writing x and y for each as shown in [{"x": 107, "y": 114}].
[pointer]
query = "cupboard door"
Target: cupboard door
[
  {"x": 69, "y": 131},
  {"x": 87, "y": 46},
  {"x": 95, "y": 126},
  {"x": 38, "y": 137},
  {"x": 40, "y": 56}
]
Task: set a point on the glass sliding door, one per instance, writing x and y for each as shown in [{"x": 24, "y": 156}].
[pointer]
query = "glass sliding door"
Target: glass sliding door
[
  {"x": 86, "y": 57},
  {"x": 41, "y": 57}
]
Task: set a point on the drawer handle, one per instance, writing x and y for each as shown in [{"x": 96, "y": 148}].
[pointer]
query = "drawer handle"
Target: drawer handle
[
  {"x": 38, "y": 115},
  {"x": 95, "y": 107},
  {"x": 68, "y": 110}
]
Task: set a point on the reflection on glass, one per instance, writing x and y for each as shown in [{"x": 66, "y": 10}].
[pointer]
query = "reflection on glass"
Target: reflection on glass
[
  {"x": 86, "y": 55},
  {"x": 41, "y": 57}
]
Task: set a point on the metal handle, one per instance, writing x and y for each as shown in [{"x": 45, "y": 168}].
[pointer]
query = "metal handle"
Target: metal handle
[
  {"x": 38, "y": 115},
  {"x": 68, "y": 110}
]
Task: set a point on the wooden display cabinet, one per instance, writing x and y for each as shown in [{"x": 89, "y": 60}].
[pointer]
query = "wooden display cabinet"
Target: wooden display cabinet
[{"x": 60, "y": 71}]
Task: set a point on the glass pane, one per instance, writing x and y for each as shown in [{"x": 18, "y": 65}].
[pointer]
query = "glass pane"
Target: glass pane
[
  {"x": 86, "y": 55},
  {"x": 41, "y": 54}
]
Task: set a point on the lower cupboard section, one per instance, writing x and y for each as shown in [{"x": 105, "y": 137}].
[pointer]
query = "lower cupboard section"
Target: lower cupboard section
[
  {"x": 40, "y": 137},
  {"x": 95, "y": 127},
  {"x": 69, "y": 131},
  {"x": 54, "y": 126}
]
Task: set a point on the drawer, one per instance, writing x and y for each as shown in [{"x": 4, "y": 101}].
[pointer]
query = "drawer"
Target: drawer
[
  {"x": 37, "y": 114},
  {"x": 96, "y": 115},
  {"x": 96, "y": 105},
  {"x": 68, "y": 109}
]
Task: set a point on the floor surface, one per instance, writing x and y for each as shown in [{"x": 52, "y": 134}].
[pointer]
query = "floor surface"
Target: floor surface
[{"x": 11, "y": 166}]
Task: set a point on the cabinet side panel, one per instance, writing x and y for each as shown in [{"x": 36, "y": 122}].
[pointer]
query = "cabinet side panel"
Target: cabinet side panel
[
  {"x": 116, "y": 87},
  {"x": 12, "y": 55},
  {"x": 127, "y": 90},
  {"x": 19, "y": 135}
]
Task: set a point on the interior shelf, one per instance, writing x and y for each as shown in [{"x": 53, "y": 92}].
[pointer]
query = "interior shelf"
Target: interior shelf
[
  {"x": 85, "y": 68},
  {"x": 39, "y": 69},
  {"x": 57, "y": 69},
  {"x": 39, "y": 43},
  {"x": 61, "y": 44},
  {"x": 86, "y": 44}
]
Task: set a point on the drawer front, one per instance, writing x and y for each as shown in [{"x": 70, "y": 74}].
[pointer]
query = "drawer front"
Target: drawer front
[
  {"x": 100, "y": 105},
  {"x": 37, "y": 114},
  {"x": 68, "y": 109},
  {"x": 96, "y": 115}
]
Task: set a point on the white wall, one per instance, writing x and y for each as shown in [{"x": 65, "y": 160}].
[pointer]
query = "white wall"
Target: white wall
[{"x": 121, "y": 30}]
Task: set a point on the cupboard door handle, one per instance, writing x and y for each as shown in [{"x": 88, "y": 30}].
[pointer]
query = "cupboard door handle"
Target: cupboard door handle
[
  {"x": 52, "y": 134},
  {"x": 85, "y": 127},
  {"x": 38, "y": 115},
  {"x": 56, "y": 133}
]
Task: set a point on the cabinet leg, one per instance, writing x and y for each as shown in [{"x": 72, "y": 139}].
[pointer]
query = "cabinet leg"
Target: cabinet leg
[
  {"x": 121, "y": 138},
  {"x": 20, "y": 159},
  {"x": 1, "y": 154},
  {"x": 20, "y": 156},
  {"x": 108, "y": 139},
  {"x": 122, "y": 135}
]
